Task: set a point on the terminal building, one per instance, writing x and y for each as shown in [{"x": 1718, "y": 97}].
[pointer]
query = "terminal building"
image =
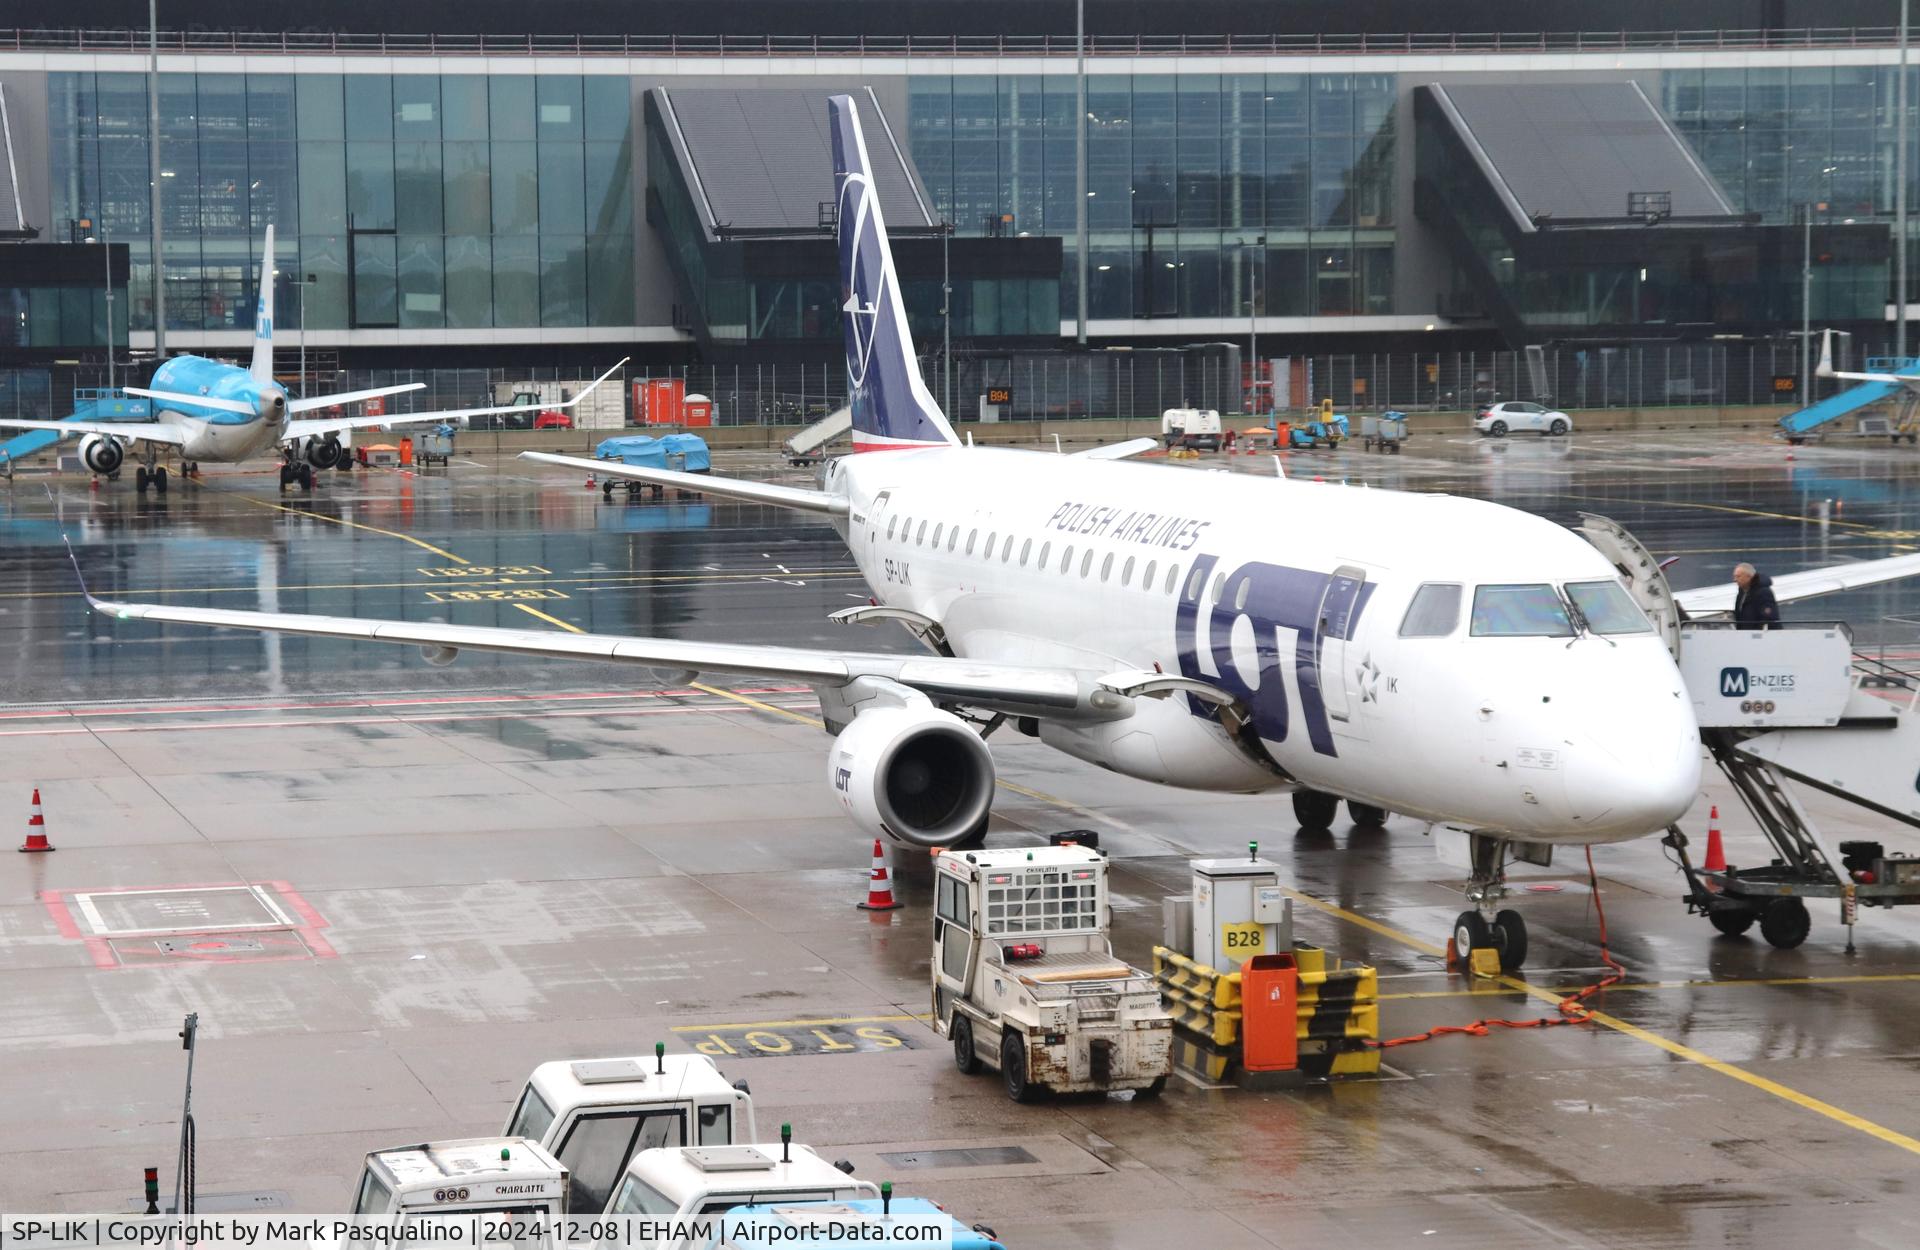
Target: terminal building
[{"x": 488, "y": 182}]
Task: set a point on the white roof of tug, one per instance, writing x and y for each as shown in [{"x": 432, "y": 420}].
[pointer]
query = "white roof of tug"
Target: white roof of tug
[
  {"x": 1074, "y": 856},
  {"x": 595, "y": 1082},
  {"x": 467, "y": 1159},
  {"x": 749, "y": 1169}
]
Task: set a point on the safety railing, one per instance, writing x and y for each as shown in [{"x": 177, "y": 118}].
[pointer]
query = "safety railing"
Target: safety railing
[{"x": 199, "y": 41}]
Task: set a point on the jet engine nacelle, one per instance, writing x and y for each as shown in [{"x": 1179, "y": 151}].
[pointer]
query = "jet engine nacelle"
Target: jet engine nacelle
[
  {"x": 324, "y": 453},
  {"x": 102, "y": 453},
  {"x": 916, "y": 775}
]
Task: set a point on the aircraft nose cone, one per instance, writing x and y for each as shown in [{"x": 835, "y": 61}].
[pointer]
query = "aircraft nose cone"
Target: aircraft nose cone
[{"x": 1639, "y": 769}]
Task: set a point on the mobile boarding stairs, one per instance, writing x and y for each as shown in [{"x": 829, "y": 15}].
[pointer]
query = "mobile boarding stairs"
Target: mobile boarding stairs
[{"x": 1797, "y": 703}]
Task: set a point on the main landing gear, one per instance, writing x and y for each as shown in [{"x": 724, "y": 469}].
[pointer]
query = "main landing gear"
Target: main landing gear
[
  {"x": 1316, "y": 811},
  {"x": 151, "y": 473},
  {"x": 1489, "y": 926},
  {"x": 292, "y": 471}
]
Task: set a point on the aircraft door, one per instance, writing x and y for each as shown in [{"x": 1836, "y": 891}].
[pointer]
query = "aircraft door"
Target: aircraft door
[{"x": 1336, "y": 670}]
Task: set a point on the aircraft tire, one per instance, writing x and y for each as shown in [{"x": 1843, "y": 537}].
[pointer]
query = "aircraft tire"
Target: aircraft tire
[
  {"x": 1470, "y": 933},
  {"x": 140, "y": 479},
  {"x": 1366, "y": 814},
  {"x": 1510, "y": 939},
  {"x": 160, "y": 481},
  {"x": 1314, "y": 810}
]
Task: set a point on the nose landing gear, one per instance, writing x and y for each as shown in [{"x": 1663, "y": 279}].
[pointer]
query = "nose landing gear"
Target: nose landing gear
[{"x": 1489, "y": 926}]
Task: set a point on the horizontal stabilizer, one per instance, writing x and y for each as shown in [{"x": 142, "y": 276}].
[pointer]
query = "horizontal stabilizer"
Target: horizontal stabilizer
[{"x": 707, "y": 484}]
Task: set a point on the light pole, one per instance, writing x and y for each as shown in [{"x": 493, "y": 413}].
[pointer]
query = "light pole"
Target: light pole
[
  {"x": 1806, "y": 307},
  {"x": 153, "y": 173},
  {"x": 1900, "y": 197},
  {"x": 302, "y": 282},
  {"x": 1080, "y": 164},
  {"x": 1253, "y": 311},
  {"x": 946, "y": 316},
  {"x": 108, "y": 249}
]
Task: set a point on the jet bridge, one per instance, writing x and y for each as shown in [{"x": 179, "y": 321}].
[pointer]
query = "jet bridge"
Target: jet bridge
[{"x": 1796, "y": 704}]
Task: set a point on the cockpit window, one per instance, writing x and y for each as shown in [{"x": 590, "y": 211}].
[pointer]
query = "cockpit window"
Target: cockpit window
[
  {"x": 1608, "y": 608},
  {"x": 1519, "y": 612},
  {"x": 1434, "y": 612}
]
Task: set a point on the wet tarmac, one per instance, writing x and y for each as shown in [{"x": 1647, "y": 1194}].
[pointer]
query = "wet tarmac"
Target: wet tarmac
[{"x": 452, "y": 874}]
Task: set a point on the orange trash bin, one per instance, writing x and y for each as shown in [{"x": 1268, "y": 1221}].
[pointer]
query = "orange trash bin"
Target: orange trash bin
[
  {"x": 1269, "y": 1011},
  {"x": 406, "y": 450}
]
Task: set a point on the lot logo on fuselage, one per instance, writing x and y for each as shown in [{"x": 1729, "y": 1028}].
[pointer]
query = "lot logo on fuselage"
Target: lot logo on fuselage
[{"x": 1316, "y": 606}]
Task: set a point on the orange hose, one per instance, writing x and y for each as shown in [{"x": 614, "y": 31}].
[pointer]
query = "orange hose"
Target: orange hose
[{"x": 1573, "y": 1008}]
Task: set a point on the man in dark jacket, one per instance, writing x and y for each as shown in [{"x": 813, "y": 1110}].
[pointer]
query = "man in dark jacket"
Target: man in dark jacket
[{"x": 1755, "y": 606}]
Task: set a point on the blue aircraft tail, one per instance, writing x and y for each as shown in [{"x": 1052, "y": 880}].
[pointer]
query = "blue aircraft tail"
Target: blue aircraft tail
[
  {"x": 261, "y": 367},
  {"x": 892, "y": 408}
]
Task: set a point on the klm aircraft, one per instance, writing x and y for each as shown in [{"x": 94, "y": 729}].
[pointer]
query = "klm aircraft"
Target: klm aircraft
[{"x": 205, "y": 410}]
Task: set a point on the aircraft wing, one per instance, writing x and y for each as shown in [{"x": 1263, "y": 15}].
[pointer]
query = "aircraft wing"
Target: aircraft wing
[
  {"x": 794, "y": 497},
  {"x": 1024, "y": 690},
  {"x": 350, "y": 397},
  {"x": 323, "y": 426},
  {"x": 1718, "y": 600},
  {"x": 1118, "y": 451},
  {"x": 138, "y": 431}
]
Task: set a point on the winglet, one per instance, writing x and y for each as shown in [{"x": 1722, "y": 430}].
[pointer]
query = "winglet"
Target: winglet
[
  {"x": 78, "y": 576},
  {"x": 597, "y": 381}
]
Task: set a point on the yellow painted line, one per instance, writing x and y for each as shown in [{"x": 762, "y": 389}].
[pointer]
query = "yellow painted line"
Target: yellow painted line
[
  {"x": 759, "y": 706},
  {"x": 793, "y": 1024},
  {"x": 1678, "y": 1050},
  {"x": 530, "y": 610},
  {"x": 371, "y": 529},
  {"x": 1729, "y": 983},
  {"x": 1721, "y": 507}
]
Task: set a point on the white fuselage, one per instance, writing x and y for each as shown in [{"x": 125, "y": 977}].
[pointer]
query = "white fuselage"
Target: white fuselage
[{"x": 1289, "y": 595}]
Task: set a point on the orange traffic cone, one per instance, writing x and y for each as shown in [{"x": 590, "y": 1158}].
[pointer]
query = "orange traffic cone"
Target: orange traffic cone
[
  {"x": 1716, "y": 860},
  {"x": 879, "y": 888},
  {"x": 590, "y": 481},
  {"x": 36, "y": 828}
]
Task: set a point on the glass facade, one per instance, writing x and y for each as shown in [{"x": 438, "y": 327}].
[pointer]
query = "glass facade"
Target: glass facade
[
  {"x": 414, "y": 200},
  {"x": 1208, "y": 195}
]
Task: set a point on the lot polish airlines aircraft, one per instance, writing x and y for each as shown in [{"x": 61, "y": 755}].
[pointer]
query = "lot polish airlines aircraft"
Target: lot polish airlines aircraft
[
  {"x": 206, "y": 410},
  {"x": 1454, "y": 660}
]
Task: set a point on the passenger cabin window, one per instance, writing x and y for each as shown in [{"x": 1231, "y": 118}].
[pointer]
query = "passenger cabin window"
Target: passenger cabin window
[
  {"x": 987, "y": 551},
  {"x": 1608, "y": 608},
  {"x": 1173, "y": 577},
  {"x": 891, "y": 522},
  {"x": 1434, "y": 612},
  {"x": 1219, "y": 586},
  {"x": 1086, "y": 562},
  {"x": 1240, "y": 597},
  {"x": 1126, "y": 572},
  {"x": 920, "y": 539},
  {"x": 1193, "y": 586},
  {"x": 953, "y": 539},
  {"x": 1066, "y": 559},
  {"x": 1106, "y": 567},
  {"x": 1146, "y": 578},
  {"x": 972, "y": 537},
  {"x": 1006, "y": 551},
  {"x": 1528, "y": 611},
  {"x": 1026, "y": 549},
  {"x": 1046, "y": 549},
  {"x": 937, "y": 531}
]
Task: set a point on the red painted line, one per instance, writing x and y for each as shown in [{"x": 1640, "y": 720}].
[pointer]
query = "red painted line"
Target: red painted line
[
  {"x": 100, "y": 947},
  {"x": 82, "y": 713},
  {"x": 190, "y": 727}
]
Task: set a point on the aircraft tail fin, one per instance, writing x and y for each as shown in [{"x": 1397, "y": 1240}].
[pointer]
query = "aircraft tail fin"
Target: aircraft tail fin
[
  {"x": 262, "y": 367},
  {"x": 892, "y": 408}
]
